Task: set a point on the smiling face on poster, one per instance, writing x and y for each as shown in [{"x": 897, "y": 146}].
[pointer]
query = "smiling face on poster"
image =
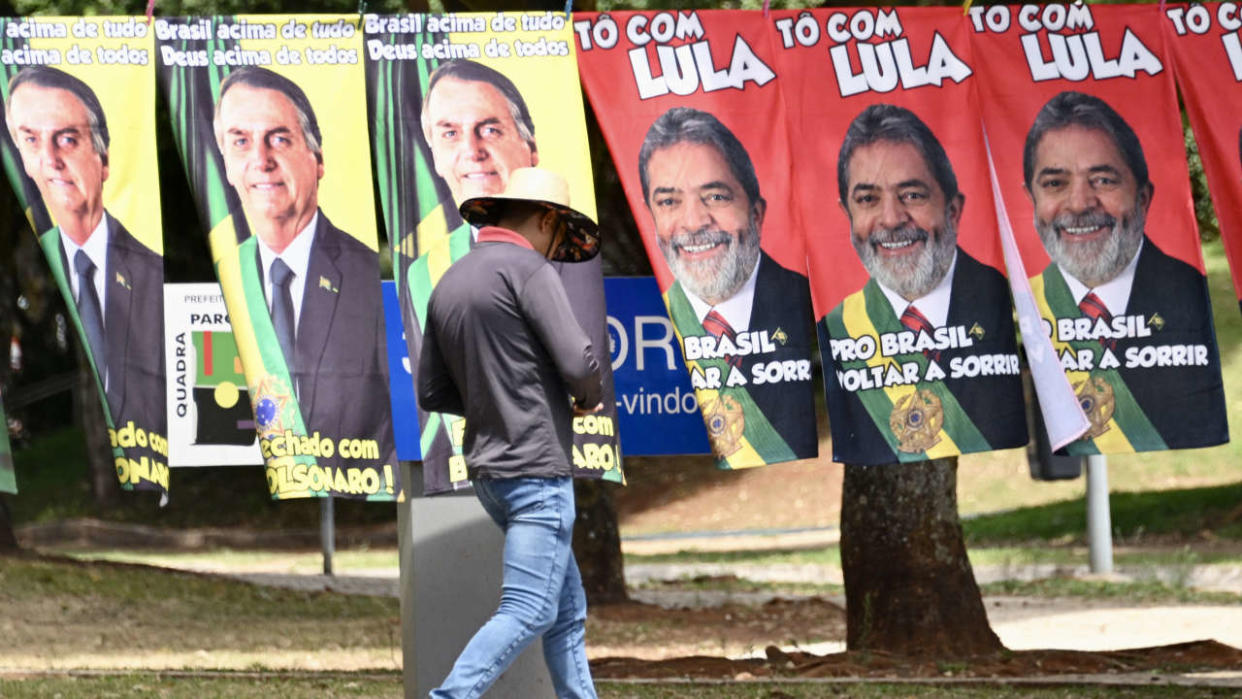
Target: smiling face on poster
[
  {"x": 712, "y": 151},
  {"x": 915, "y": 323},
  {"x": 90, "y": 187},
  {"x": 461, "y": 102},
  {"x": 903, "y": 220},
  {"x": 272, "y": 156},
  {"x": 63, "y": 145},
  {"x": 707, "y": 221},
  {"x": 273, "y": 134},
  {"x": 1094, "y": 179},
  {"x": 1087, "y": 180},
  {"x": 478, "y": 128}
]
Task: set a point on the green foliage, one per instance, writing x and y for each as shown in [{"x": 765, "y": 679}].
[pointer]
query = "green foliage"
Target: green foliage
[
  {"x": 370, "y": 684},
  {"x": 53, "y": 485},
  {"x": 206, "y": 685},
  {"x": 153, "y": 592},
  {"x": 1209, "y": 227},
  {"x": 1169, "y": 513},
  {"x": 173, "y": 8},
  {"x": 51, "y": 478}
]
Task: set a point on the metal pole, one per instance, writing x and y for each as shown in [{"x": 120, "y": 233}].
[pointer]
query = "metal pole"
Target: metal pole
[
  {"x": 1099, "y": 520},
  {"x": 327, "y": 532}
]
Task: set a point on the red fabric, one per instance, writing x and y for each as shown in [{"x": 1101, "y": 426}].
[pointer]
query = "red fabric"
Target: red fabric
[
  {"x": 1206, "y": 70},
  {"x": 1094, "y": 308},
  {"x": 495, "y": 234},
  {"x": 715, "y": 324},
  {"x": 917, "y": 322}
]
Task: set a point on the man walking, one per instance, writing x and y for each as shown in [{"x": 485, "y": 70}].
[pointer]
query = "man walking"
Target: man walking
[{"x": 501, "y": 348}]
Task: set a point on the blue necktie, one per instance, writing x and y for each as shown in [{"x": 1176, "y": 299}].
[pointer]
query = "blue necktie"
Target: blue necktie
[
  {"x": 282, "y": 309},
  {"x": 89, "y": 311}
]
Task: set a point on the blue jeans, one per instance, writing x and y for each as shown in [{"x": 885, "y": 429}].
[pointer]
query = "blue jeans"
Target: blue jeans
[{"x": 541, "y": 594}]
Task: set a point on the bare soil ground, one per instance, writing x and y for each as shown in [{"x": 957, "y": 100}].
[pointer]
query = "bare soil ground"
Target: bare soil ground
[
  {"x": 1198, "y": 656},
  {"x": 212, "y": 625},
  {"x": 673, "y": 494},
  {"x": 689, "y": 494},
  {"x": 645, "y": 632}
]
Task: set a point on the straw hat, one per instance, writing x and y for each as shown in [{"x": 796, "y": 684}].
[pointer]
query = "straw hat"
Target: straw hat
[{"x": 539, "y": 186}]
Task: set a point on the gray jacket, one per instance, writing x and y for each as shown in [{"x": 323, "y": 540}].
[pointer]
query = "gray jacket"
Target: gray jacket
[{"x": 502, "y": 348}]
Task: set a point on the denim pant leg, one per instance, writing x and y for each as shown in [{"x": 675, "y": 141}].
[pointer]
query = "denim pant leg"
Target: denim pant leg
[
  {"x": 564, "y": 645},
  {"x": 537, "y": 515}
]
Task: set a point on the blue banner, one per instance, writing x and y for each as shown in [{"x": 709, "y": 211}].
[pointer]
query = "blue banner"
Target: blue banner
[
  {"x": 400, "y": 379},
  {"x": 657, "y": 412}
]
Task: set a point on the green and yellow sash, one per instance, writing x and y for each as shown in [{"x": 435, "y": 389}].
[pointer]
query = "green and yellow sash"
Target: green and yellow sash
[
  {"x": 741, "y": 435},
  {"x": 271, "y": 388},
  {"x": 440, "y": 248},
  {"x": 868, "y": 312},
  {"x": 1127, "y": 429},
  {"x": 8, "y": 480}
]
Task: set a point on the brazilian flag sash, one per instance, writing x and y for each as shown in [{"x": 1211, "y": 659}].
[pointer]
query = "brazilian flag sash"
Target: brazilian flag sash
[
  {"x": 271, "y": 388},
  {"x": 440, "y": 250},
  {"x": 868, "y": 312},
  {"x": 8, "y": 480},
  {"x": 423, "y": 244},
  {"x": 758, "y": 442},
  {"x": 1127, "y": 429}
]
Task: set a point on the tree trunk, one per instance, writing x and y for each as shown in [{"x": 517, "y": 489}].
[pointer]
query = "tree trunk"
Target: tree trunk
[
  {"x": 597, "y": 543},
  {"x": 86, "y": 403},
  {"x": 909, "y": 588},
  {"x": 8, "y": 540}
]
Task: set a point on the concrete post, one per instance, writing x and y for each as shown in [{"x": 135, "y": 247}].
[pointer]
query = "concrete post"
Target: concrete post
[
  {"x": 450, "y": 557},
  {"x": 327, "y": 532},
  {"x": 1099, "y": 518}
]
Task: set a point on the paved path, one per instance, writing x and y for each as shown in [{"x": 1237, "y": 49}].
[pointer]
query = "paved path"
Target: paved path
[{"x": 1022, "y": 623}]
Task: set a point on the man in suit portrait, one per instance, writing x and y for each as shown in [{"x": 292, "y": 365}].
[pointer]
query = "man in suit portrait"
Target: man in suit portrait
[
  {"x": 321, "y": 284},
  {"x": 898, "y": 189},
  {"x": 1087, "y": 178},
  {"x": 114, "y": 282},
  {"x": 478, "y": 127},
  {"x": 701, "y": 190}
]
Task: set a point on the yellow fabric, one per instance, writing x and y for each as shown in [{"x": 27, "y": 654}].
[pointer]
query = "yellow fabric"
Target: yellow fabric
[
  {"x": 223, "y": 239},
  {"x": 745, "y": 456},
  {"x": 858, "y": 323}
]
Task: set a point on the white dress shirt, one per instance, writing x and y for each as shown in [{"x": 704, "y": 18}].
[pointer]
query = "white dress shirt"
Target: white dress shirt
[
  {"x": 96, "y": 248},
  {"x": 297, "y": 257},
  {"x": 934, "y": 305},
  {"x": 1115, "y": 293},
  {"x": 735, "y": 309}
]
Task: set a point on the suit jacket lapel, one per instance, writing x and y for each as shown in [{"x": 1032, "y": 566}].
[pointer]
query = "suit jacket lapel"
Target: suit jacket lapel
[
  {"x": 1145, "y": 274},
  {"x": 319, "y": 300},
  {"x": 119, "y": 297},
  {"x": 960, "y": 293}
]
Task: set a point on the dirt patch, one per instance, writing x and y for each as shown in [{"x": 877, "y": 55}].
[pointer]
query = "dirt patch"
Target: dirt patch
[
  {"x": 648, "y": 632},
  {"x": 1184, "y": 657},
  {"x": 689, "y": 494}
]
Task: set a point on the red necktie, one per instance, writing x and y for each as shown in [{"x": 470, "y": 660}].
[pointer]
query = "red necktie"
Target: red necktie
[
  {"x": 1092, "y": 307},
  {"x": 715, "y": 324},
  {"x": 918, "y": 323}
]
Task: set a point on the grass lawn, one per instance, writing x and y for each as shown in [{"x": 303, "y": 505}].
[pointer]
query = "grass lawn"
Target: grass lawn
[
  {"x": 1139, "y": 593},
  {"x": 241, "y": 686},
  {"x": 285, "y": 562},
  {"x": 64, "y": 614}
]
